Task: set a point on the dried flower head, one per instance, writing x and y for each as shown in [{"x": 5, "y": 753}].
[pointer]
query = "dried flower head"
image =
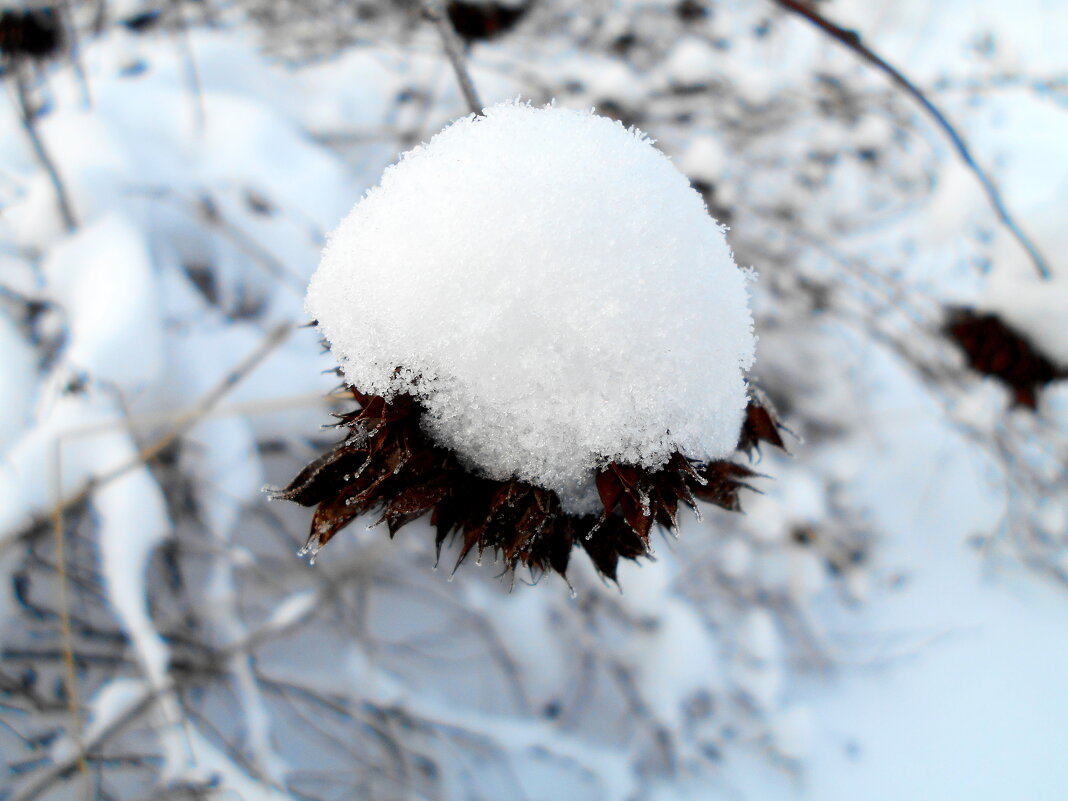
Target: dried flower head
[
  {"x": 483, "y": 19},
  {"x": 30, "y": 33},
  {"x": 548, "y": 338},
  {"x": 994, "y": 348}
]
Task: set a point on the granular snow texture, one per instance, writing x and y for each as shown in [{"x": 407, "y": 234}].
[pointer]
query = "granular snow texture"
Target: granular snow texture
[{"x": 552, "y": 289}]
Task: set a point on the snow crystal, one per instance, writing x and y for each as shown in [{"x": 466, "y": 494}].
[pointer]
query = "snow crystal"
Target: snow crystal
[{"x": 554, "y": 292}]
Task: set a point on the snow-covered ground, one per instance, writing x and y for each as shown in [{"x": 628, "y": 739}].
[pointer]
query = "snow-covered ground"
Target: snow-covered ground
[{"x": 886, "y": 621}]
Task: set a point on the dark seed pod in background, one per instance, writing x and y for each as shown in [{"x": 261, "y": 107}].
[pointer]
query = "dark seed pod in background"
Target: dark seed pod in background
[
  {"x": 691, "y": 10},
  {"x": 993, "y": 348},
  {"x": 143, "y": 21},
  {"x": 30, "y": 33},
  {"x": 474, "y": 20}
]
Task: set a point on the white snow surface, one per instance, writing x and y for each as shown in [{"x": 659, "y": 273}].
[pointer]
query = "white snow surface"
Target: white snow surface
[
  {"x": 16, "y": 383},
  {"x": 554, "y": 292},
  {"x": 929, "y": 667}
]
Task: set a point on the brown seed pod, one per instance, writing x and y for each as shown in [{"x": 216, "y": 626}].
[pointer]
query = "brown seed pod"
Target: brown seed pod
[
  {"x": 484, "y": 20},
  {"x": 30, "y": 33},
  {"x": 386, "y": 463},
  {"x": 994, "y": 348}
]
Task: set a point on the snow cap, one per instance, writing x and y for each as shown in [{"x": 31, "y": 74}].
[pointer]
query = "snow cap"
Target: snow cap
[{"x": 554, "y": 293}]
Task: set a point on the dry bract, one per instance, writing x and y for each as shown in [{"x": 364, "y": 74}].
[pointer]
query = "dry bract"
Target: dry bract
[{"x": 387, "y": 463}]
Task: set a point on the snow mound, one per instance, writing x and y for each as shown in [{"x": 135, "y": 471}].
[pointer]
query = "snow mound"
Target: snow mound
[{"x": 550, "y": 287}]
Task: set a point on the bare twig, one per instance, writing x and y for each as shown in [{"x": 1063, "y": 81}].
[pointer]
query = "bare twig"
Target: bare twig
[
  {"x": 192, "y": 72},
  {"x": 273, "y": 339},
  {"x": 62, "y": 768},
  {"x": 148, "y": 697},
  {"x": 851, "y": 39},
  {"x": 29, "y": 124},
  {"x": 451, "y": 42},
  {"x": 184, "y": 424}
]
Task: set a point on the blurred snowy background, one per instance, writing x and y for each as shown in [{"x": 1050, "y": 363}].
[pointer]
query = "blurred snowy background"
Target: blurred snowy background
[{"x": 888, "y": 621}]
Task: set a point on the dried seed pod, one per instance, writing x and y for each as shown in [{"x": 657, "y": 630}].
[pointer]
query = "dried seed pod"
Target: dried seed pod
[
  {"x": 30, "y": 33},
  {"x": 994, "y": 348},
  {"x": 484, "y": 20}
]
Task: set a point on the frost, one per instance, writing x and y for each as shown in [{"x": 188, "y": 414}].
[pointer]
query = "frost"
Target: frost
[{"x": 554, "y": 292}]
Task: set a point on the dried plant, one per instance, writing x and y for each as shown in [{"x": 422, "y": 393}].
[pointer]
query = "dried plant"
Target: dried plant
[
  {"x": 994, "y": 348},
  {"x": 30, "y": 33},
  {"x": 386, "y": 462}
]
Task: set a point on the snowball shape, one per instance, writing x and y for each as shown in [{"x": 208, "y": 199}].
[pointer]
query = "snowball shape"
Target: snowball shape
[{"x": 554, "y": 292}]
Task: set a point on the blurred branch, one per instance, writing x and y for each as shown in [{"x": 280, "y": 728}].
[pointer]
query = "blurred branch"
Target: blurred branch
[
  {"x": 181, "y": 426},
  {"x": 28, "y": 117},
  {"x": 74, "y": 51},
  {"x": 852, "y": 40},
  {"x": 1054, "y": 88},
  {"x": 275, "y": 338},
  {"x": 148, "y": 697},
  {"x": 433, "y": 11},
  {"x": 192, "y": 72}
]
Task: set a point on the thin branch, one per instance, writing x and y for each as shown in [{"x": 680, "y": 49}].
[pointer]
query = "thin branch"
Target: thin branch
[
  {"x": 274, "y": 338},
  {"x": 61, "y": 769},
  {"x": 148, "y": 697},
  {"x": 28, "y": 119},
  {"x": 74, "y": 52},
  {"x": 851, "y": 39},
  {"x": 192, "y": 72},
  {"x": 433, "y": 11}
]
